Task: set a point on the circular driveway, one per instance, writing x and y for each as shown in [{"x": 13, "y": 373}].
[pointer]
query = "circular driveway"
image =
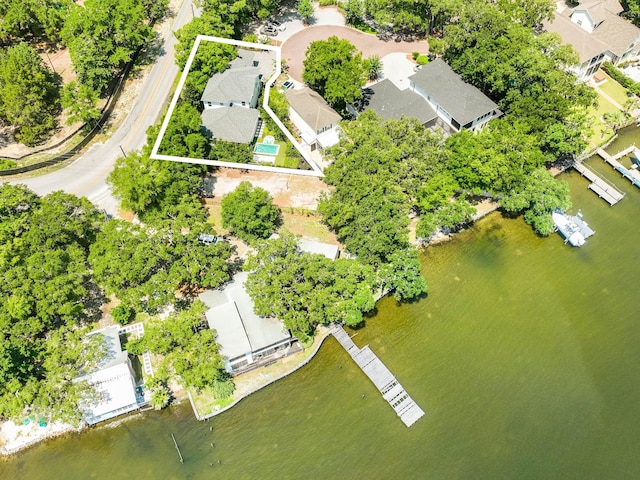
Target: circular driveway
[{"x": 295, "y": 48}]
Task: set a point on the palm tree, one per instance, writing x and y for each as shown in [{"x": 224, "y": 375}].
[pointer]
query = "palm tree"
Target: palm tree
[{"x": 373, "y": 66}]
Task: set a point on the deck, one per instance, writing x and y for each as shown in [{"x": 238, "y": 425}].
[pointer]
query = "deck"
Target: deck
[
  {"x": 612, "y": 160},
  {"x": 599, "y": 185},
  {"x": 391, "y": 390}
]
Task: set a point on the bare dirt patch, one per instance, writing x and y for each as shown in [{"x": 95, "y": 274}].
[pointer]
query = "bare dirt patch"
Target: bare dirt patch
[{"x": 295, "y": 191}]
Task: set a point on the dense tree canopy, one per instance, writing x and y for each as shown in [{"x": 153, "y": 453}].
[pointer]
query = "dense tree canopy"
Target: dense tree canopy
[
  {"x": 46, "y": 295},
  {"x": 335, "y": 70},
  {"x": 249, "y": 213},
  {"x": 157, "y": 190},
  {"x": 188, "y": 349},
  {"x": 103, "y": 35},
  {"x": 29, "y": 93},
  {"x": 305, "y": 290},
  {"x": 32, "y": 20},
  {"x": 146, "y": 268}
]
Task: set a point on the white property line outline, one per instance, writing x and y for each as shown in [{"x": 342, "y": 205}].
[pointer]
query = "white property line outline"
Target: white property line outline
[{"x": 316, "y": 170}]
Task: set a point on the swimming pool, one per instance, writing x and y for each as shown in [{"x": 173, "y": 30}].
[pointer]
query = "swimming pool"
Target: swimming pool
[{"x": 266, "y": 149}]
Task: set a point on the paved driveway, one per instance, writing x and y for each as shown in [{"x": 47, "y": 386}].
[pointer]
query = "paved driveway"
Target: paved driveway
[{"x": 294, "y": 49}]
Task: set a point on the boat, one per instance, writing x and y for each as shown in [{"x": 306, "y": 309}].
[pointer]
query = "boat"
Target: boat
[
  {"x": 572, "y": 227},
  {"x": 635, "y": 154}
]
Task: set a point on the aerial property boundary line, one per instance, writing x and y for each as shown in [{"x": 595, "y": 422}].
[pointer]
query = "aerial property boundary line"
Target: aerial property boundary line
[{"x": 316, "y": 170}]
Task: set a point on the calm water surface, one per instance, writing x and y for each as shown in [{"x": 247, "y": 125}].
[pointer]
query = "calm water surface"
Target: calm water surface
[{"x": 525, "y": 357}]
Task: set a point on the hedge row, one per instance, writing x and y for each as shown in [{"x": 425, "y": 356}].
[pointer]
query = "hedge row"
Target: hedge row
[{"x": 621, "y": 78}]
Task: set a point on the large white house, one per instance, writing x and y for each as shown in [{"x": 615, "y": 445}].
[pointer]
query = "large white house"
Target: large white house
[
  {"x": 458, "y": 104},
  {"x": 231, "y": 97},
  {"x": 112, "y": 379},
  {"x": 246, "y": 340},
  {"x": 597, "y": 33}
]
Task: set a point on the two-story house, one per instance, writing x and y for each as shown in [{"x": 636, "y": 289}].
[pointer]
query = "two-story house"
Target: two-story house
[{"x": 597, "y": 33}]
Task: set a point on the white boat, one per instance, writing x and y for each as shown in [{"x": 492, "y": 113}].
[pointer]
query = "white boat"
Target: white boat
[{"x": 573, "y": 229}]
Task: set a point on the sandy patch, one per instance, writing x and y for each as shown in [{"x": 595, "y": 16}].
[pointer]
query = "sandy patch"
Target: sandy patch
[
  {"x": 287, "y": 190},
  {"x": 14, "y": 437}
]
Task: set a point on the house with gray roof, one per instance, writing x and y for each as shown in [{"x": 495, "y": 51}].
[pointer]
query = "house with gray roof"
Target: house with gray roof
[
  {"x": 316, "y": 121},
  {"x": 246, "y": 340},
  {"x": 597, "y": 33},
  {"x": 391, "y": 103},
  {"x": 230, "y": 100},
  {"x": 458, "y": 104},
  {"x": 112, "y": 379}
]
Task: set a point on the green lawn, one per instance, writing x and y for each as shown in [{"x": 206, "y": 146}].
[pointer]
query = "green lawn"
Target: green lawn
[
  {"x": 601, "y": 133},
  {"x": 614, "y": 90},
  {"x": 281, "y": 159}
]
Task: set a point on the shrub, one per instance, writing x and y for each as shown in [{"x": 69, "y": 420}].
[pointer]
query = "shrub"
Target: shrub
[
  {"x": 6, "y": 164},
  {"x": 422, "y": 60},
  {"x": 621, "y": 78},
  {"x": 415, "y": 55},
  {"x": 326, "y": 3},
  {"x": 122, "y": 314}
]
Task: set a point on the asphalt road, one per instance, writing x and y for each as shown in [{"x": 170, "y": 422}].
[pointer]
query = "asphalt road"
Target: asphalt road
[{"x": 87, "y": 175}]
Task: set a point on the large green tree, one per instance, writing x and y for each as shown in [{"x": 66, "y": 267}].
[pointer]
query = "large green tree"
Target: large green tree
[
  {"x": 46, "y": 297},
  {"x": 102, "y": 36},
  {"x": 305, "y": 290},
  {"x": 32, "y": 20},
  {"x": 249, "y": 213},
  {"x": 29, "y": 93},
  {"x": 188, "y": 349},
  {"x": 334, "y": 68},
  {"x": 146, "y": 268}
]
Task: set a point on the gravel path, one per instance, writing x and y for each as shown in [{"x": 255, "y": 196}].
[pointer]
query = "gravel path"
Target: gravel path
[{"x": 294, "y": 48}]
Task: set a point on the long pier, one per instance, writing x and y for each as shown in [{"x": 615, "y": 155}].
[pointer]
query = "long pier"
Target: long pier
[
  {"x": 404, "y": 406},
  {"x": 632, "y": 175},
  {"x": 599, "y": 185}
]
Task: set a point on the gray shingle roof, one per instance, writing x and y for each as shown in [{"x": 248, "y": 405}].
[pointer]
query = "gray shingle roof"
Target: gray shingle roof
[
  {"x": 313, "y": 109},
  {"x": 231, "y": 124},
  {"x": 462, "y": 101},
  {"x": 391, "y": 103},
  {"x": 235, "y": 84}
]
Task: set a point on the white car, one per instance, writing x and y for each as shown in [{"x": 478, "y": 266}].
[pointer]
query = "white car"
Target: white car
[{"x": 277, "y": 25}]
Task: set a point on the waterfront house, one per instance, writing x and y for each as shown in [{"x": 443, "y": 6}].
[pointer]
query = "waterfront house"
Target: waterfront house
[
  {"x": 391, "y": 103},
  {"x": 458, "y": 104},
  {"x": 113, "y": 380},
  {"x": 597, "y": 33},
  {"x": 246, "y": 340},
  {"x": 316, "y": 121}
]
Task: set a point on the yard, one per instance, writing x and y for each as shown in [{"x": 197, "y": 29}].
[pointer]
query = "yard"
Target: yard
[{"x": 282, "y": 160}]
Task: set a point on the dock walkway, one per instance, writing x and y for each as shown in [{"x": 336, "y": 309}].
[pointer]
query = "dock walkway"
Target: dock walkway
[
  {"x": 599, "y": 185},
  {"x": 404, "y": 406},
  {"x": 612, "y": 160}
]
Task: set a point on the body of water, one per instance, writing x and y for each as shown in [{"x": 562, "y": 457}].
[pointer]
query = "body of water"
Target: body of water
[{"x": 525, "y": 357}]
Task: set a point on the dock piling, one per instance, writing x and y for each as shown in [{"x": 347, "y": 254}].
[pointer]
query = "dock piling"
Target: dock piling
[{"x": 177, "y": 448}]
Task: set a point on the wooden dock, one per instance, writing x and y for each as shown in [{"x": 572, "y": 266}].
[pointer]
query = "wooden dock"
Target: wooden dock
[
  {"x": 404, "y": 406},
  {"x": 631, "y": 175},
  {"x": 599, "y": 185}
]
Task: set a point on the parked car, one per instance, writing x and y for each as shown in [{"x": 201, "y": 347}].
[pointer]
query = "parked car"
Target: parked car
[
  {"x": 268, "y": 30},
  {"x": 277, "y": 25},
  {"x": 287, "y": 85}
]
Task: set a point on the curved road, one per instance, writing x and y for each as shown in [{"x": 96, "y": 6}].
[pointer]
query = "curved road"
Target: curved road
[
  {"x": 295, "y": 47},
  {"x": 87, "y": 175}
]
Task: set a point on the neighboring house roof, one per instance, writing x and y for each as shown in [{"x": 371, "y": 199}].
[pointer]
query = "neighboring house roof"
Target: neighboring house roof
[
  {"x": 617, "y": 33},
  {"x": 321, "y": 248},
  {"x": 234, "y": 84},
  {"x": 391, "y": 103},
  {"x": 112, "y": 379},
  {"x": 231, "y": 124},
  {"x": 239, "y": 330},
  {"x": 614, "y": 33},
  {"x": 462, "y": 101},
  {"x": 597, "y": 11},
  {"x": 313, "y": 109},
  {"x": 584, "y": 43}
]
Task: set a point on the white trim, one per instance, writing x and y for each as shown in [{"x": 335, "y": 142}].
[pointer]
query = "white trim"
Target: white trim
[{"x": 316, "y": 170}]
